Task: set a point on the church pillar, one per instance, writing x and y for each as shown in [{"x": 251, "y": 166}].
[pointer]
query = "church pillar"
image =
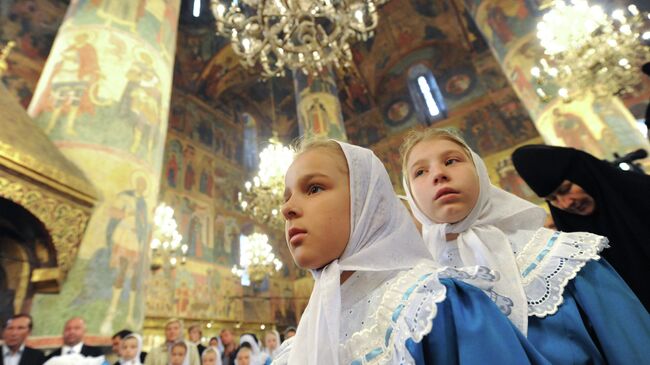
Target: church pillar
[
  {"x": 599, "y": 126},
  {"x": 318, "y": 105},
  {"x": 103, "y": 99}
]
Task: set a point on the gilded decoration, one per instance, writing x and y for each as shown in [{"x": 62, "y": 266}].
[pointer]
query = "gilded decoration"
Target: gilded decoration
[{"x": 65, "y": 222}]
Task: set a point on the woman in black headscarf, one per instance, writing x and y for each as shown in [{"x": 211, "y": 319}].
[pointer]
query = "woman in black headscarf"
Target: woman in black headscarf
[{"x": 619, "y": 209}]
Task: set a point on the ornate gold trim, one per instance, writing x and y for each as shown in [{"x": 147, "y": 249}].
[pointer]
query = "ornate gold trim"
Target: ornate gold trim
[{"x": 64, "y": 220}]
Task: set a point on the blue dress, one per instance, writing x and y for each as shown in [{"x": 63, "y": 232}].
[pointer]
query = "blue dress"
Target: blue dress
[
  {"x": 470, "y": 329},
  {"x": 579, "y": 333}
]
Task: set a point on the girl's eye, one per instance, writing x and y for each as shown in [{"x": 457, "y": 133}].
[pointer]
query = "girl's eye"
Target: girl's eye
[
  {"x": 313, "y": 189},
  {"x": 418, "y": 173},
  {"x": 451, "y": 161}
]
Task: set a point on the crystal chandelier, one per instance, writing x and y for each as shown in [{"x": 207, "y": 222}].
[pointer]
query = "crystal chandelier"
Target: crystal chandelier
[
  {"x": 257, "y": 258},
  {"x": 262, "y": 197},
  {"x": 166, "y": 242},
  {"x": 305, "y": 35},
  {"x": 587, "y": 50}
]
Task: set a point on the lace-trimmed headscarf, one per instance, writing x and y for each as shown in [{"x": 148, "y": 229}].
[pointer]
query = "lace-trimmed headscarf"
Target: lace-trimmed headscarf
[
  {"x": 499, "y": 224},
  {"x": 383, "y": 237}
]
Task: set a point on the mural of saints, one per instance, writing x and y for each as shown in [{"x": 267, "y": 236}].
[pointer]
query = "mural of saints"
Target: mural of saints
[
  {"x": 140, "y": 102},
  {"x": 573, "y": 132},
  {"x": 74, "y": 80},
  {"x": 126, "y": 236}
]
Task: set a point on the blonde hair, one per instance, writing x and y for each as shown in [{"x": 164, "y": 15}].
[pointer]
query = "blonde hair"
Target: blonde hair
[
  {"x": 416, "y": 136},
  {"x": 180, "y": 344},
  {"x": 305, "y": 144},
  {"x": 210, "y": 350}
]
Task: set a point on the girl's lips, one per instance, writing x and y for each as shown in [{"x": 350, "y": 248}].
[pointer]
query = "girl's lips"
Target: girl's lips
[
  {"x": 297, "y": 239},
  {"x": 443, "y": 192}
]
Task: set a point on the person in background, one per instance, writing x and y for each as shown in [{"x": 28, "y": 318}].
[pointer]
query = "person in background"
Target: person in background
[
  {"x": 195, "y": 337},
  {"x": 73, "y": 334},
  {"x": 244, "y": 355},
  {"x": 211, "y": 356},
  {"x": 229, "y": 347},
  {"x": 160, "y": 355},
  {"x": 586, "y": 194},
  {"x": 14, "y": 350},
  {"x": 130, "y": 349},
  {"x": 271, "y": 345},
  {"x": 289, "y": 332},
  {"x": 178, "y": 353}
]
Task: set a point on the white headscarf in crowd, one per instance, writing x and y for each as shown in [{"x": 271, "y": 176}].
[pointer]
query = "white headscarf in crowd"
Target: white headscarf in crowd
[
  {"x": 212, "y": 349},
  {"x": 383, "y": 237},
  {"x": 256, "y": 354},
  {"x": 269, "y": 352},
  {"x": 75, "y": 359},
  {"x": 136, "y": 359},
  {"x": 499, "y": 224}
]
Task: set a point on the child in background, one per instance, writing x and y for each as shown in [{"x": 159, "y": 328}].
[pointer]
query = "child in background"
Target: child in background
[
  {"x": 178, "y": 353},
  {"x": 211, "y": 356},
  {"x": 130, "y": 348},
  {"x": 553, "y": 287}
]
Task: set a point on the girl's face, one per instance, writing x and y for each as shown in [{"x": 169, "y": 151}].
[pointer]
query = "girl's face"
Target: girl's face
[
  {"x": 178, "y": 355},
  {"x": 209, "y": 359},
  {"x": 243, "y": 357},
  {"x": 129, "y": 348},
  {"x": 317, "y": 208},
  {"x": 271, "y": 341},
  {"x": 443, "y": 180},
  {"x": 214, "y": 343}
]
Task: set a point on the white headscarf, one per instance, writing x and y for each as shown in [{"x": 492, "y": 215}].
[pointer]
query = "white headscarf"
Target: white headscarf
[
  {"x": 383, "y": 237},
  {"x": 499, "y": 224},
  {"x": 212, "y": 349},
  {"x": 136, "y": 359},
  {"x": 256, "y": 354},
  {"x": 269, "y": 352}
]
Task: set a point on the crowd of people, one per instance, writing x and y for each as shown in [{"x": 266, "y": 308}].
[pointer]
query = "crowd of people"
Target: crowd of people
[{"x": 127, "y": 347}]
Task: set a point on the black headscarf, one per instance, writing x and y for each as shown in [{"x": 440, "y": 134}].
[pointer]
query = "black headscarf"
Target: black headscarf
[{"x": 622, "y": 211}]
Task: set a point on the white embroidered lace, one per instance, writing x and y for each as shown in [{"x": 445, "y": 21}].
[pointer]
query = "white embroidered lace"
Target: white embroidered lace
[{"x": 549, "y": 261}]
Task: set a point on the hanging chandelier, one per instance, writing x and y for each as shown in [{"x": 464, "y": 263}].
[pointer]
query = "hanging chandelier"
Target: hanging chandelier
[
  {"x": 586, "y": 50},
  {"x": 257, "y": 259},
  {"x": 262, "y": 197},
  {"x": 166, "y": 246},
  {"x": 306, "y": 35}
]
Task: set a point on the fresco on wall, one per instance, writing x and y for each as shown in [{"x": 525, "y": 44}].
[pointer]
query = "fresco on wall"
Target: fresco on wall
[
  {"x": 33, "y": 26},
  {"x": 503, "y": 22},
  {"x": 106, "y": 281},
  {"x": 103, "y": 96},
  {"x": 220, "y": 299},
  {"x": 600, "y": 127},
  {"x": 503, "y": 174},
  {"x": 366, "y": 129}
]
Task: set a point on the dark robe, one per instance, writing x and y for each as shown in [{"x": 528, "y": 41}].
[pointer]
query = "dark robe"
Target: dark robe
[{"x": 622, "y": 212}]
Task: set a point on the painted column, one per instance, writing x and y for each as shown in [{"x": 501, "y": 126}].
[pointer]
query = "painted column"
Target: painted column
[
  {"x": 318, "y": 105},
  {"x": 598, "y": 126},
  {"x": 103, "y": 99}
]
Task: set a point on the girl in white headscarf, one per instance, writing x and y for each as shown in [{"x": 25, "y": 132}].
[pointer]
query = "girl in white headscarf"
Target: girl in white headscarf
[
  {"x": 130, "y": 349},
  {"x": 377, "y": 298},
  {"x": 549, "y": 281},
  {"x": 272, "y": 344},
  {"x": 211, "y": 356},
  {"x": 257, "y": 356}
]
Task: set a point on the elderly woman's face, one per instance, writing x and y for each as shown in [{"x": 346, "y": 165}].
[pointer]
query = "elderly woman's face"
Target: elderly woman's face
[{"x": 572, "y": 198}]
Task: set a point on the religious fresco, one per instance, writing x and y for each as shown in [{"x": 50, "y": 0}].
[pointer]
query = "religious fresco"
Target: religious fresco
[
  {"x": 221, "y": 294},
  {"x": 78, "y": 102},
  {"x": 32, "y": 25},
  {"x": 103, "y": 95},
  {"x": 366, "y": 129},
  {"x": 600, "y": 127},
  {"x": 107, "y": 278},
  {"x": 504, "y": 21},
  {"x": 503, "y": 174},
  {"x": 319, "y": 107}
]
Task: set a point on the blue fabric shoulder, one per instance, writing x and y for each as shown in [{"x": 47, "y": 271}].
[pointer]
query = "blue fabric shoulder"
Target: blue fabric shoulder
[{"x": 470, "y": 329}]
